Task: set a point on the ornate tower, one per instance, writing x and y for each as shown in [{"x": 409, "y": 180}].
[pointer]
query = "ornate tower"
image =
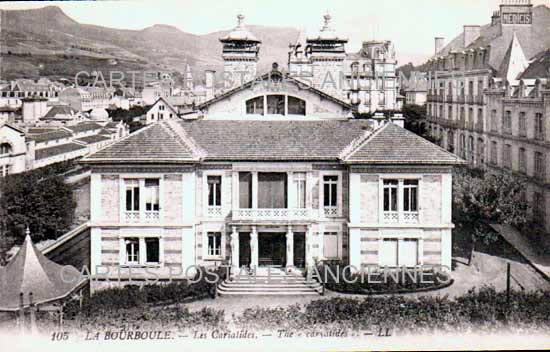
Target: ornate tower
[
  {"x": 240, "y": 55},
  {"x": 326, "y": 50}
]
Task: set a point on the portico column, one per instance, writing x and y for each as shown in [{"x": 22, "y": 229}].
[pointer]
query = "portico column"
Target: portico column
[
  {"x": 235, "y": 250},
  {"x": 289, "y": 248},
  {"x": 254, "y": 190},
  {"x": 254, "y": 248},
  {"x": 309, "y": 247}
]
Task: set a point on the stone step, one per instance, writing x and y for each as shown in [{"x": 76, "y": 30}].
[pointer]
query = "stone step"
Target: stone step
[{"x": 312, "y": 285}]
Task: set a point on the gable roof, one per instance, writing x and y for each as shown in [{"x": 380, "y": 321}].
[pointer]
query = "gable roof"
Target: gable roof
[
  {"x": 392, "y": 144},
  {"x": 152, "y": 144},
  {"x": 514, "y": 61},
  {"x": 174, "y": 110},
  {"x": 267, "y": 76},
  {"x": 59, "y": 110}
]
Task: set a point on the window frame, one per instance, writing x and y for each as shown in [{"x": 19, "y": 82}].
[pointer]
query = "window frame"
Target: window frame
[
  {"x": 330, "y": 211},
  {"x": 403, "y": 217},
  {"x": 404, "y": 235},
  {"x": 214, "y": 211},
  {"x": 141, "y": 215},
  {"x": 142, "y": 250}
]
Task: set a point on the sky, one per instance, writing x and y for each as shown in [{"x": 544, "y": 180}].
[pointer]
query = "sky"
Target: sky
[{"x": 410, "y": 24}]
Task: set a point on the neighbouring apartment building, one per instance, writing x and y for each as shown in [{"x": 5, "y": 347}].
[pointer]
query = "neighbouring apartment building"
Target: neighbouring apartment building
[
  {"x": 489, "y": 98},
  {"x": 270, "y": 174}
]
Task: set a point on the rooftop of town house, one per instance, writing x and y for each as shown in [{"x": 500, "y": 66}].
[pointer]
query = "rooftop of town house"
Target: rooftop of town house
[
  {"x": 84, "y": 126},
  {"x": 533, "y": 39},
  {"x": 92, "y": 139},
  {"x": 50, "y": 135},
  {"x": 44, "y": 153}
]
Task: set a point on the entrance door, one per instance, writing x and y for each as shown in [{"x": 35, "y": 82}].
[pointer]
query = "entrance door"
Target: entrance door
[
  {"x": 299, "y": 249},
  {"x": 244, "y": 249},
  {"x": 271, "y": 249}
]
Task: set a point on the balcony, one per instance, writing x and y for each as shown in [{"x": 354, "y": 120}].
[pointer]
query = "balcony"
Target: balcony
[
  {"x": 283, "y": 214},
  {"x": 479, "y": 127},
  {"x": 449, "y": 98},
  {"x": 470, "y": 99},
  {"x": 461, "y": 99},
  {"x": 406, "y": 217},
  {"x": 131, "y": 216}
]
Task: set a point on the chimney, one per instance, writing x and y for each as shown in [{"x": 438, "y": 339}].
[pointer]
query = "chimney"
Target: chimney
[
  {"x": 210, "y": 80},
  {"x": 471, "y": 33},
  {"x": 439, "y": 43}
]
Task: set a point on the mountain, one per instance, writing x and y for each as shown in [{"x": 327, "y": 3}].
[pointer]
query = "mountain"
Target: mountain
[{"x": 47, "y": 42}]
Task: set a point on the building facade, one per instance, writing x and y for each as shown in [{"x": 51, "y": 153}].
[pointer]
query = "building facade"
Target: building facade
[
  {"x": 488, "y": 98},
  {"x": 268, "y": 188}
]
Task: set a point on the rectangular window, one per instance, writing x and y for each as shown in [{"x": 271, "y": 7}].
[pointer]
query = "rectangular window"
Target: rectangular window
[
  {"x": 538, "y": 208},
  {"x": 521, "y": 161},
  {"x": 132, "y": 195},
  {"x": 390, "y": 195},
  {"x": 507, "y": 122},
  {"x": 152, "y": 192},
  {"x": 330, "y": 245},
  {"x": 539, "y": 166},
  {"x": 410, "y": 195},
  {"x": 330, "y": 191},
  {"x": 214, "y": 191},
  {"x": 214, "y": 244},
  {"x": 539, "y": 127},
  {"x": 494, "y": 155},
  {"x": 245, "y": 190},
  {"x": 132, "y": 250},
  {"x": 522, "y": 128},
  {"x": 300, "y": 184},
  {"x": 507, "y": 156},
  {"x": 494, "y": 121},
  {"x": 152, "y": 250}
]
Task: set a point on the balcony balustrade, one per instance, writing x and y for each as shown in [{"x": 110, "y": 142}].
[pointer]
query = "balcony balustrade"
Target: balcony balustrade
[
  {"x": 275, "y": 214},
  {"x": 131, "y": 216}
]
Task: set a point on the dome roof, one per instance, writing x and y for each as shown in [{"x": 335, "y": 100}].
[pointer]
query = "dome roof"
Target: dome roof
[
  {"x": 240, "y": 33},
  {"x": 99, "y": 114}
]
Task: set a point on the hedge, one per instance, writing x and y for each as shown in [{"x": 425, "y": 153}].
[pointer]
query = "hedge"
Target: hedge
[{"x": 380, "y": 282}]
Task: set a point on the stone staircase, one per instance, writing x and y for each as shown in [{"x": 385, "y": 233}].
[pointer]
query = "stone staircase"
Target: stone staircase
[{"x": 276, "y": 282}]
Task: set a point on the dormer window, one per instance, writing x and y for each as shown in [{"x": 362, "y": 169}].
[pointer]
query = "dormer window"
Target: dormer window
[{"x": 276, "y": 104}]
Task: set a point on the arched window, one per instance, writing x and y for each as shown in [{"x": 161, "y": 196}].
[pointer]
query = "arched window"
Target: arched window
[
  {"x": 277, "y": 104},
  {"x": 5, "y": 148},
  {"x": 296, "y": 106},
  {"x": 255, "y": 105}
]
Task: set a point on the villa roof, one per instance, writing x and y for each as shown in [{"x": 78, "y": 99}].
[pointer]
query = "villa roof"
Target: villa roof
[
  {"x": 31, "y": 272},
  {"x": 60, "y": 110},
  {"x": 154, "y": 143},
  {"x": 85, "y": 126},
  {"x": 56, "y": 150},
  {"x": 50, "y": 136},
  {"x": 392, "y": 144},
  {"x": 92, "y": 139}
]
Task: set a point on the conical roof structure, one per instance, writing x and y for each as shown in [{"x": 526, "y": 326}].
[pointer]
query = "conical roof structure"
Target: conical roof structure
[{"x": 31, "y": 272}]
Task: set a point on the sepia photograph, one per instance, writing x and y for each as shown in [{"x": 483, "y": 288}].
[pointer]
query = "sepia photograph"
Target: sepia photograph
[{"x": 274, "y": 175}]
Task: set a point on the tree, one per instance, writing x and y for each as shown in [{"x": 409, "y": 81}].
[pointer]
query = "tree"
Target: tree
[
  {"x": 415, "y": 118},
  {"x": 481, "y": 199},
  {"x": 45, "y": 205}
]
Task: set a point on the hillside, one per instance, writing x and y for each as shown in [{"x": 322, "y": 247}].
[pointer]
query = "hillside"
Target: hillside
[{"x": 39, "y": 42}]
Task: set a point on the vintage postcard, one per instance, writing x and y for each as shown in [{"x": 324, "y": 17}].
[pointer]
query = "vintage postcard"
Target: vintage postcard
[{"x": 274, "y": 175}]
